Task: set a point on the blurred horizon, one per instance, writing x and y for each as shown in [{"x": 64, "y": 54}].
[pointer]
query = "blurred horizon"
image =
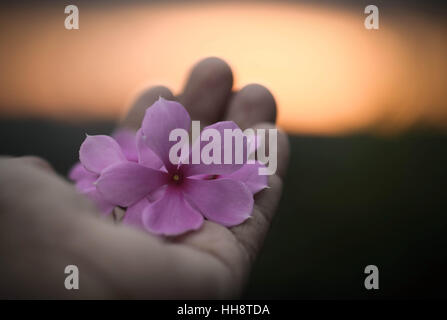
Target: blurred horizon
[{"x": 329, "y": 74}]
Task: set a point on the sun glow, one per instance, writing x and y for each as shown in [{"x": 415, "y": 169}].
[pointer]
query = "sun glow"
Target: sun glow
[{"x": 328, "y": 73}]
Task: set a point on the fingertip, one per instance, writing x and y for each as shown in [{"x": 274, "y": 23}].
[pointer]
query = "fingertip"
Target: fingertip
[
  {"x": 256, "y": 93},
  {"x": 252, "y": 104},
  {"x": 208, "y": 90},
  {"x": 144, "y": 99},
  {"x": 213, "y": 71}
]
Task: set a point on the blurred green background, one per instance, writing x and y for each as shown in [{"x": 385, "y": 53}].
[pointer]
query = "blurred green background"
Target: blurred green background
[{"x": 353, "y": 201}]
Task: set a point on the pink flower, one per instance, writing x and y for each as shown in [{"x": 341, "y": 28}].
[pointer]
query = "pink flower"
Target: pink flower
[
  {"x": 166, "y": 198},
  {"x": 96, "y": 154},
  {"x": 249, "y": 175}
]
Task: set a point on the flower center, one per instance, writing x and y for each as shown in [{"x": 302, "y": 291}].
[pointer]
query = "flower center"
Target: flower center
[{"x": 176, "y": 178}]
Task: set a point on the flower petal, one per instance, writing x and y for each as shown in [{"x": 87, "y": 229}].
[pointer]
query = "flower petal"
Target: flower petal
[
  {"x": 160, "y": 119},
  {"x": 227, "y": 202},
  {"x": 222, "y": 168},
  {"x": 146, "y": 157},
  {"x": 171, "y": 215},
  {"x": 78, "y": 172},
  {"x": 127, "y": 141},
  {"x": 86, "y": 184},
  {"x": 157, "y": 194},
  {"x": 99, "y": 152},
  {"x": 134, "y": 213},
  {"x": 83, "y": 179},
  {"x": 103, "y": 205},
  {"x": 126, "y": 183},
  {"x": 249, "y": 175}
]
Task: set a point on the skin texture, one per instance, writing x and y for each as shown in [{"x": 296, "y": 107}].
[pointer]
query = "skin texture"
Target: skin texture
[{"x": 46, "y": 225}]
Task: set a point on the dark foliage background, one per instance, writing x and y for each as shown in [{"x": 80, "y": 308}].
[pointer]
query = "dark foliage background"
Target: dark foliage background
[{"x": 348, "y": 202}]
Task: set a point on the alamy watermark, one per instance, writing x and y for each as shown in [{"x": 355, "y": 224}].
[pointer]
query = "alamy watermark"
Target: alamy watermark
[
  {"x": 72, "y": 20},
  {"x": 72, "y": 280},
  {"x": 372, "y": 20},
  {"x": 234, "y": 146},
  {"x": 372, "y": 280}
]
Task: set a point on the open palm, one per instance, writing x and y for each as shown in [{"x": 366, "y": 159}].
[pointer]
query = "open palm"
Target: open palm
[{"x": 51, "y": 226}]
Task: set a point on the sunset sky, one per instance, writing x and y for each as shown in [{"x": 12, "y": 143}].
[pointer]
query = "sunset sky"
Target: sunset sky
[{"x": 328, "y": 73}]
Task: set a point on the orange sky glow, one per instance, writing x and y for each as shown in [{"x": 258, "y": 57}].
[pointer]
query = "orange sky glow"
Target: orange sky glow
[{"x": 328, "y": 73}]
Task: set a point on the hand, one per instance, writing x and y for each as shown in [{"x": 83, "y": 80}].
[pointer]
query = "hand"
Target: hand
[{"x": 46, "y": 225}]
